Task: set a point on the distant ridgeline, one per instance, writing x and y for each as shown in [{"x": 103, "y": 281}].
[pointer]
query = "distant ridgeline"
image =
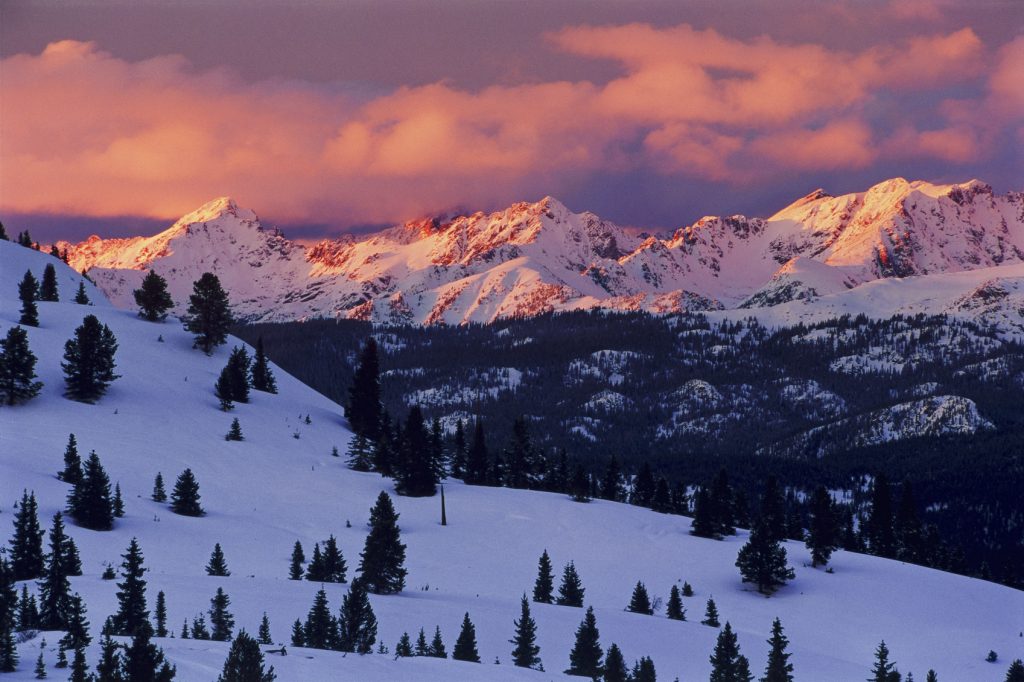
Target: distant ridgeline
[{"x": 934, "y": 400}]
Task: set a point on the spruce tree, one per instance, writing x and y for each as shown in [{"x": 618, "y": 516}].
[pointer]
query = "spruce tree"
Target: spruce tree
[
  {"x": 159, "y": 493},
  {"x": 579, "y": 485},
  {"x": 586, "y": 654},
  {"x": 221, "y": 620},
  {"x": 28, "y": 609},
  {"x": 382, "y": 562},
  {"x": 675, "y": 609},
  {"x": 762, "y": 561},
  {"x": 520, "y": 456},
  {"x": 477, "y": 459},
  {"x": 687, "y": 589},
  {"x": 185, "y": 496},
  {"x": 726, "y": 661},
  {"x": 907, "y": 525},
  {"x": 76, "y": 635},
  {"x": 436, "y": 648},
  {"x": 642, "y": 493},
  {"x": 321, "y": 629},
  {"x": 1015, "y": 673},
  {"x": 89, "y": 361},
  {"x": 161, "y": 614},
  {"x": 465, "y": 645},
  {"x": 144, "y": 661},
  {"x": 611, "y": 483},
  {"x": 8, "y": 646},
  {"x": 298, "y": 558},
  {"x": 235, "y": 432},
  {"x": 883, "y": 670},
  {"x": 89, "y": 502},
  {"x": 262, "y": 376},
  {"x": 315, "y": 570},
  {"x": 640, "y": 602},
  {"x": 81, "y": 297},
  {"x": 8, "y": 609},
  {"x": 233, "y": 384},
  {"x": 54, "y": 588},
  {"x": 722, "y": 504},
  {"x": 710, "y": 614},
  {"x": 571, "y": 591},
  {"x": 79, "y": 667},
  {"x": 209, "y": 313},
  {"x": 703, "y": 516},
  {"x": 27, "y": 544},
  {"x": 360, "y": 453},
  {"x": 643, "y": 671},
  {"x": 132, "y": 615},
  {"x": 415, "y": 475},
  {"x": 878, "y": 527},
  {"x": 333, "y": 567},
  {"x": 28, "y": 292},
  {"x": 217, "y": 566},
  {"x": 152, "y": 298},
  {"x": 17, "y": 369},
  {"x": 110, "y": 665},
  {"x": 662, "y": 502},
  {"x": 932, "y": 677},
  {"x": 779, "y": 669},
  {"x": 40, "y": 669},
  {"x": 404, "y": 647},
  {"x": 245, "y": 662},
  {"x": 615, "y": 666},
  {"x": 823, "y": 531},
  {"x": 71, "y": 558},
  {"x": 48, "y": 287},
  {"x": 422, "y": 649},
  {"x": 199, "y": 630},
  {"x": 357, "y": 625},
  {"x": 263, "y": 636},
  {"x": 363, "y": 409},
  {"x": 525, "y": 653},
  {"x": 298, "y": 634},
  {"x": 459, "y": 451},
  {"x": 72, "y": 471},
  {"x": 544, "y": 587},
  {"x": 773, "y": 510}
]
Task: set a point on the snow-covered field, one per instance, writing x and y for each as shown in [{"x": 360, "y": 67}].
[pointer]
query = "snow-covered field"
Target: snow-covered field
[{"x": 263, "y": 494}]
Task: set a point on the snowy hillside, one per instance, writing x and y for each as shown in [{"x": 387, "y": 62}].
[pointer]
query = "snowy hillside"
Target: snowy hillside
[
  {"x": 281, "y": 484},
  {"x": 534, "y": 258}
]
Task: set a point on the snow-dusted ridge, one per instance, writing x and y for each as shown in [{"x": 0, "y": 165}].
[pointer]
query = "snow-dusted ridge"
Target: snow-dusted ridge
[{"x": 533, "y": 258}]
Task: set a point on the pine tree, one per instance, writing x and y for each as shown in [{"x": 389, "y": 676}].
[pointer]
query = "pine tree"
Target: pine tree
[
  {"x": 908, "y": 529},
  {"x": 570, "y": 592},
  {"x": 199, "y": 630},
  {"x": 675, "y": 609},
  {"x": 185, "y": 496},
  {"x": 143, "y": 660},
  {"x": 357, "y": 625},
  {"x": 89, "y": 361},
  {"x": 209, "y": 313},
  {"x": 687, "y": 589},
  {"x": 615, "y": 665},
  {"x": 762, "y": 561},
  {"x": 879, "y": 525},
  {"x": 159, "y": 494},
  {"x": 71, "y": 558},
  {"x": 360, "y": 453},
  {"x": 773, "y": 510},
  {"x": 586, "y": 654},
  {"x": 823, "y": 532},
  {"x": 89, "y": 502},
  {"x": 1015, "y": 673},
  {"x": 263, "y": 636},
  {"x": 262, "y": 376},
  {"x": 132, "y": 615},
  {"x": 8, "y": 608},
  {"x": 662, "y": 502},
  {"x": 48, "y": 287},
  {"x": 27, "y": 543},
  {"x": 520, "y": 456},
  {"x": 404, "y": 647},
  {"x": 235, "y": 432},
  {"x": 54, "y": 588},
  {"x": 579, "y": 485},
  {"x": 703, "y": 516},
  {"x": 611, "y": 483},
  {"x": 363, "y": 409},
  {"x": 883, "y": 670},
  {"x": 81, "y": 297},
  {"x": 298, "y": 558},
  {"x": 161, "y": 614},
  {"x": 111, "y": 664},
  {"x": 17, "y": 368},
  {"x": 233, "y": 384},
  {"x": 315, "y": 570},
  {"x": 465, "y": 645},
  {"x": 184, "y": 629},
  {"x": 932, "y": 677},
  {"x": 415, "y": 475},
  {"x": 722, "y": 504},
  {"x": 525, "y": 653},
  {"x": 779, "y": 669},
  {"x": 726, "y": 662},
  {"x": 298, "y": 634},
  {"x": 476, "y": 463},
  {"x": 28, "y": 610},
  {"x": 217, "y": 566},
  {"x": 72, "y": 471},
  {"x": 544, "y": 586},
  {"x": 28, "y": 292},
  {"x": 321, "y": 629},
  {"x": 245, "y": 662},
  {"x": 152, "y": 298},
  {"x": 221, "y": 620},
  {"x": 40, "y": 669},
  {"x": 642, "y": 493},
  {"x": 438, "y": 459},
  {"x": 459, "y": 451},
  {"x": 422, "y": 649},
  {"x": 710, "y": 614},
  {"x": 333, "y": 565},
  {"x": 382, "y": 562},
  {"x": 436, "y": 648},
  {"x": 76, "y": 635},
  {"x": 640, "y": 602},
  {"x": 643, "y": 671},
  {"x": 79, "y": 667}
]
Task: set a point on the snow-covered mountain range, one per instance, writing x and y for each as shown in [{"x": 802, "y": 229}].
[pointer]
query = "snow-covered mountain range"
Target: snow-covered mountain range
[{"x": 538, "y": 257}]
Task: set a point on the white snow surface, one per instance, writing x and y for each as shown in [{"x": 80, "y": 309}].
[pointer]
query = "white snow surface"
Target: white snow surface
[{"x": 264, "y": 493}]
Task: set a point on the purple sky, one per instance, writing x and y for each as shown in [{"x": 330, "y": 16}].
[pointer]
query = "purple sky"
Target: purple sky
[{"x": 324, "y": 117}]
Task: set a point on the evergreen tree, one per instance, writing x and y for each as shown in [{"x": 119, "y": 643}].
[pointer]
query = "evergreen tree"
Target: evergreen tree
[
  {"x": 416, "y": 472},
  {"x": 132, "y": 615},
  {"x": 3, "y": 233},
  {"x": 8, "y": 608},
  {"x": 721, "y": 500},
  {"x": 465, "y": 645},
  {"x": 883, "y": 670},
  {"x": 703, "y": 516},
  {"x": 217, "y": 565},
  {"x": 199, "y": 630},
  {"x": 72, "y": 471},
  {"x": 615, "y": 665},
  {"x": 404, "y": 647},
  {"x": 1015, "y": 673},
  {"x": 81, "y": 298},
  {"x": 298, "y": 634},
  {"x": 544, "y": 586},
  {"x": 263, "y": 636},
  {"x": 662, "y": 502},
  {"x": 27, "y": 543},
  {"x": 48, "y": 287},
  {"x": 262, "y": 376},
  {"x": 644, "y": 671},
  {"x": 221, "y": 620},
  {"x": 687, "y": 589},
  {"x": 779, "y": 669},
  {"x": 908, "y": 525},
  {"x": 315, "y": 570},
  {"x": 161, "y": 614},
  {"x": 245, "y": 662},
  {"x": 17, "y": 368},
  {"x": 520, "y": 456},
  {"x": 586, "y": 654},
  {"x": 28, "y": 293},
  {"x": 726, "y": 662},
  {"x": 421, "y": 644},
  {"x": 152, "y": 298},
  {"x": 360, "y": 453},
  {"x": 357, "y": 625},
  {"x": 710, "y": 614},
  {"x": 439, "y": 462},
  {"x": 209, "y": 313},
  {"x": 89, "y": 361},
  {"x": 28, "y": 610},
  {"x": 459, "y": 451},
  {"x": 144, "y": 661},
  {"x": 298, "y": 558},
  {"x": 570, "y": 592},
  {"x": 333, "y": 567},
  {"x": 762, "y": 561},
  {"x": 525, "y": 653},
  {"x": 932, "y": 677},
  {"x": 364, "y": 409},
  {"x": 40, "y": 669},
  {"x": 71, "y": 558},
  {"x": 773, "y": 510},
  {"x": 79, "y": 667},
  {"x": 640, "y": 602},
  {"x": 321, "y": 629},
  {"x": 54, "y": 588},
  {"x": 579, "y": 485},
  {"x": 89, "y": 502},
  {"x": 185, "y": 496},
  {"x": 233, "y": 384},
  {"x": 436, "y": 648},
  {"x": 382, "y": 562},
  {"x": 642, "y": 493},
  {"x": 611, "y": 484},
  {"x": 476, "y": 464},
  {"x": 76, "y": 635},
  {"x": 823, "y": 531},
  {"x": 159, "y": 494},
  {"x": 235, "y": 432},
  {"x": 879, "y": 525},
  {"x": 675, "y": 609}
]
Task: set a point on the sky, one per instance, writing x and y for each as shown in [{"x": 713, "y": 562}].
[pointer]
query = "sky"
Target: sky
[{"x": 325, "y": 117}]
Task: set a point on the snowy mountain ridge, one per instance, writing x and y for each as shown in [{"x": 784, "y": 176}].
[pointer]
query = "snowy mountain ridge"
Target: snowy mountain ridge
[{"x": 538, "y": 257}]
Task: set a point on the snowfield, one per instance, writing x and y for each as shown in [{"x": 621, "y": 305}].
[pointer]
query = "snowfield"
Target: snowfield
[{"x": 281, "y": 484}]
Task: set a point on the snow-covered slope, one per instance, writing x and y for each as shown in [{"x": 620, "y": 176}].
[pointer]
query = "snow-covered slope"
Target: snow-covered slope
[
  {"x": 281, "y": 484},
  {"x": 534, "y": 258}
]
